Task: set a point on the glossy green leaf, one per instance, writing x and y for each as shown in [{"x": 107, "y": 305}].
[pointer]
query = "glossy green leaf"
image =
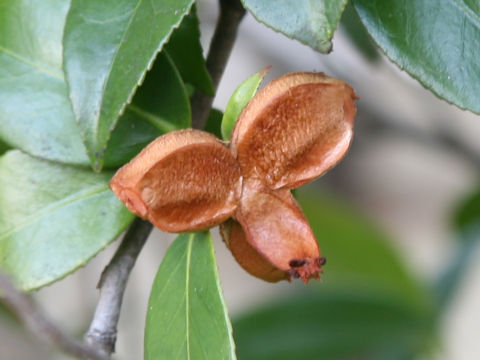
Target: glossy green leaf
[
  {"x": 239, "y": 99},
  {"x": 108, "y": 46},
  {"x": 436, "y": 42},
  {"x": 356, "y": 252},
  {"x": 311, "y": 22},
  {"x": 358, "y": 34},
  {"x": 186, "y": 51},
  {"x": 35, "y": 113},
  {"x": 53, "y": 218},
  {"x": 132, "y": 133},
  {"x": 160, "y": 105},
  {"x": 187, "y": 317},
  {"x": 214, "y": 123},
  {"x": 333, "y": 324}
]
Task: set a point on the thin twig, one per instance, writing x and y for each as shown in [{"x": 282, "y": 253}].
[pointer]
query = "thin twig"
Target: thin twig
[
  {"x": 39, "y": 325},
  {"x": 231, "y": 14},
  {"x": 102, "y": 333},
  {"x": 103, "y": 329}
]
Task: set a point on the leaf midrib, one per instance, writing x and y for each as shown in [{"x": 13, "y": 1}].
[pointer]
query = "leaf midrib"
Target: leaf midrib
[
  {"x": 152, "y": 119},
  {"x": 52, "y": 207},
  {"x": 32, "y": 64},
  {"x": 121, "y": 42},
  {"x": 468, "y": 12}
]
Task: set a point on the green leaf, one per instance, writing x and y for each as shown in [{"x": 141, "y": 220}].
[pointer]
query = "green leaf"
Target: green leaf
[
  {"x": 3, "y": 147},
  {"x": 214, "y": 123},
  {"x": 467, "y": 233},
  {"x": 35, "y": 113},
  {"x": 186, "y": 51},
  {"x": 187, "y": 317},
  {"x": 467, "y": 217},
  {"x": 156, "y": 110},
  {"x": 438, "y": 43},
  {"x": 311, "y": 22},
  {"x": 53, "y": 218},
  {"x": 333, "y": 324},
  {"x": 132, "y": 133},
  {"x": 239, "y": 99},
  {"x": 356, "y": 252},
  {"x": 358, "y": 34},
  {"x": 108, "y": 46}
]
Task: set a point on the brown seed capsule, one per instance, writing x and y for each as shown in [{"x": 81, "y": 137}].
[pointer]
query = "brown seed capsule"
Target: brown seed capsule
[
  {"x": 248, "y": 257},
  {"x": 294, "y": 130},
  {"x": 185, "y": 180},
  {"x": 291, "y": 132},
  {"x": 275, "y": 227}
]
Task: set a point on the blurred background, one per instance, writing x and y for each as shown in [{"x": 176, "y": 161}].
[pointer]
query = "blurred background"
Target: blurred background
[{"x": 385, "y": 219}]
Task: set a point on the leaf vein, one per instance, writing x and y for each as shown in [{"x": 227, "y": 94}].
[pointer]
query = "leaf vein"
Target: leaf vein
[
  {"x": 53, "y": 207},
  {"x": 32, "y": 64},
  {"x": 121, "y": 42}
]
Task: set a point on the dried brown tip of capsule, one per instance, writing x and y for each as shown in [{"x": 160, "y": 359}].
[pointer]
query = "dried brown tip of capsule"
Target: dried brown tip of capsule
[
  {"x": 305, "y": 268},
  {"x": 294, "y": 263},
  {"x": 310, "y": 268},
  {"x": 248, "y": 258},
  {"x": 275, "y": 227},
  {"x": 294, "y": 129},
  {"x": 183, "y": 181}
]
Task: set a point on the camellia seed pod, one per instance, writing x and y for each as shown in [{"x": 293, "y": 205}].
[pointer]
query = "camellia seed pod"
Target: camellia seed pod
[
  {"x": 292, "y": 131},
  {"x": 182, "y": 181}
]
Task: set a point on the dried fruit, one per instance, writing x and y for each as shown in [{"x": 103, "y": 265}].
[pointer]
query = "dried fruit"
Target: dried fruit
[{"x": 292, "y": 131}]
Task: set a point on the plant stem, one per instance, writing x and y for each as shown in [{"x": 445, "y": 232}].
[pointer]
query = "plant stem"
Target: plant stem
[
  {"x": 39, "y": 325},
  {"x": 102, "y": 333},
  {"x": 231, "y": 14}
]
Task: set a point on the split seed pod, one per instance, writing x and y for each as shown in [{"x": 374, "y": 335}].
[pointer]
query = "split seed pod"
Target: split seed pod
[{"x": 294, "y": 130}]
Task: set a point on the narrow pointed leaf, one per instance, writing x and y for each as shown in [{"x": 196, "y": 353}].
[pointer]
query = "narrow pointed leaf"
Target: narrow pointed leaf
[
  {"x": 312, "y": 22},
  {"x": 239, "y": 99},
  {"x": 186, "y": 51},
  {"x": 35, "y": 113},
  {"x": 436, "y": 42},
  {"x": 187, "y": 317},
  {"x": 108, "y": 47},
  {"x": 53, "y": 218}
]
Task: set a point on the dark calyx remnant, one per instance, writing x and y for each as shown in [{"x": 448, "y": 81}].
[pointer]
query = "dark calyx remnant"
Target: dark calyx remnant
[{"x": 297, "y": 262}]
